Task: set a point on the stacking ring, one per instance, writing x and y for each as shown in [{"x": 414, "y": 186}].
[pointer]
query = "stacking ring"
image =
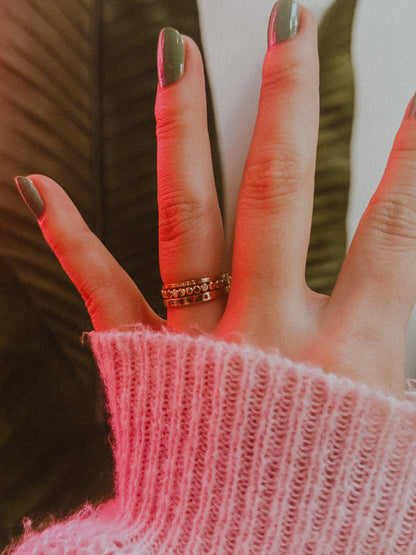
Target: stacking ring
[{"x": 196, "y": 290}]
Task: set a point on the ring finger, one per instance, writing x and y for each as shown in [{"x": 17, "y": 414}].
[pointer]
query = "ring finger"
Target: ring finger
[{"x": 191, "y": 242}]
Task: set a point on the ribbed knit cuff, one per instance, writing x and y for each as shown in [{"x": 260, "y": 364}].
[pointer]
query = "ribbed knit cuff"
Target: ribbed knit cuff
[{"x": 222, "y": 448}]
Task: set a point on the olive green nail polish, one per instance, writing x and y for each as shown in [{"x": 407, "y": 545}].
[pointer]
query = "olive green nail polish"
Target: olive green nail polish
[
  {"x": 412, "y": 109},
  {"x": 170, "y": 56},
  {"x": 284, "y": 21},
  {"x": 30, "y": 195}
]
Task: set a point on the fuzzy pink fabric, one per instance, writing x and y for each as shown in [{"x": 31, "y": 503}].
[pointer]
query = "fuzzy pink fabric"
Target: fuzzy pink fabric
[{"x": 221, "y": 449}]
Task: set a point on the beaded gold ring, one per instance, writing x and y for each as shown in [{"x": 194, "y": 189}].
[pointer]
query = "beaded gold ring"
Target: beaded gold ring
[{"x": 196, "y": 290}]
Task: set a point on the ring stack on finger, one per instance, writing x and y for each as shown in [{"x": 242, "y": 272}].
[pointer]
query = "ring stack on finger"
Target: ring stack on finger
[{"x": 196, "y": 290}]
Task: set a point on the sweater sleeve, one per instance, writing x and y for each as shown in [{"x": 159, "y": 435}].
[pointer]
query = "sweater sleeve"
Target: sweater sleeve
[{"x": 222, "y": 448}]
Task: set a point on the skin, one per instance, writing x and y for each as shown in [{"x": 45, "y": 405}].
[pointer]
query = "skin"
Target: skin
[{"x": 359, "y": 331}]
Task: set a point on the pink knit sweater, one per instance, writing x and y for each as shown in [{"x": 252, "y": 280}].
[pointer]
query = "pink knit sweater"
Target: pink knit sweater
[{"x": 221, "y": 449}]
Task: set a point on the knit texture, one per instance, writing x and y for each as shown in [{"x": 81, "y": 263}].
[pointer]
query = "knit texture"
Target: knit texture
[{"x": 223, "y": 448}]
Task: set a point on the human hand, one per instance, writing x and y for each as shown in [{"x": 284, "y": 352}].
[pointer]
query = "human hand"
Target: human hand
[{"x": 359, "y": 331}]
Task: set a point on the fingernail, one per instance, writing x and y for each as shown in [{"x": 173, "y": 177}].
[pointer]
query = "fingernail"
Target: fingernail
[
  {"x": 283, "y": 22},
  {"x": 30, "y": 195},
  {"x": 170, "y": 56},
  {"x": 412, "y": 109}
]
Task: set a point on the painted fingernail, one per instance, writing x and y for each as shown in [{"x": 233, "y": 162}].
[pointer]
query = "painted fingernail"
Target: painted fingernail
[
  {"x": 170, "y": 56},
  {"x": 283, "y": 22},
  {"x": 412, "y": 109},
  {"x": 30, "y": 195}
]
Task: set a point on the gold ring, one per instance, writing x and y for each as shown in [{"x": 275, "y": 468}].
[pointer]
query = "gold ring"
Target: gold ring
[{"x": 196, "y": 290}]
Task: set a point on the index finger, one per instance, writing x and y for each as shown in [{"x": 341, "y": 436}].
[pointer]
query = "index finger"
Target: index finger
[{"x": 112, "y": 299}]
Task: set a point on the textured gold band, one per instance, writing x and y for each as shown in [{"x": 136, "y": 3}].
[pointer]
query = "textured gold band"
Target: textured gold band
[{"x": 196, "y": 290}]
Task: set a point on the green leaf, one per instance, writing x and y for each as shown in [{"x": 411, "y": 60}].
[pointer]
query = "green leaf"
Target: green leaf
[
  {"x": 332, "y": 181},
  {"x": 48, "y": 384}
]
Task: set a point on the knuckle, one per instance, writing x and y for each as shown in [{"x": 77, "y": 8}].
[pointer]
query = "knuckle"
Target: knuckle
[
  {"x": 289, "y": 73},
  {"x": 169, "y": 119},
  {"x": 95, "y": 289},
  {"x": 67, "y": 242},
  {"x": 93, "y": 294},
  {"x": 170, "y": 128},
  {"x": 402, "y": 165},
  {"x": 393, "y": 218},
  {"x": 405, "y": 145},
  {"x": 272, "y": 181},
  {"x": 179, "y": 219}
]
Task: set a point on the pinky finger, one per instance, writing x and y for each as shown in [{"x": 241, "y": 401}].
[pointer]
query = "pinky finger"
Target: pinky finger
[
  {"x": 382, "y": 256},
  {"x": 376, "y": 289},
  {"x": 112, "y": 299}
]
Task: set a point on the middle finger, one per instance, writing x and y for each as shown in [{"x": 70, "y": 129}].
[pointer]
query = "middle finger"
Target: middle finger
[{"x": 276, "y": 198}]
